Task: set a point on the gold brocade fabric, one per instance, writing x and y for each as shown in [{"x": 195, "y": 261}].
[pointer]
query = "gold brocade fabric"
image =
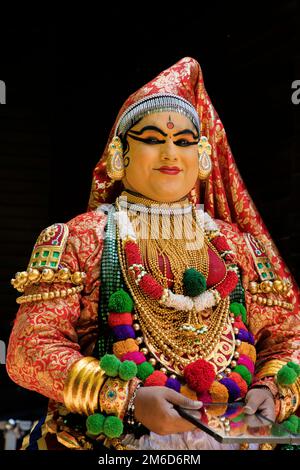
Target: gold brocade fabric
[{"x": 48, "y": 337}]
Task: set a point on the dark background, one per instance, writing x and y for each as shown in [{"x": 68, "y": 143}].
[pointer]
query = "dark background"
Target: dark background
[{"x": 66, "y": 80}]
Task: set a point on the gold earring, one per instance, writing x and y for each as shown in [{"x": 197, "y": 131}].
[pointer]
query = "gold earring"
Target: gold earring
[
  {"x": 205, "y": 164},
  {"x": 115, "y": 163}
]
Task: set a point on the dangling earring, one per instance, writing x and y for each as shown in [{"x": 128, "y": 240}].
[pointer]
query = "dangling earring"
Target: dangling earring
[
  {"x": 115, "y": 162},
  {"x": 205, "y": 164}
]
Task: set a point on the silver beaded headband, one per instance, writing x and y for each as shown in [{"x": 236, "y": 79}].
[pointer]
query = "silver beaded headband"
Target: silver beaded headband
[{"x": 154, "y": 104}]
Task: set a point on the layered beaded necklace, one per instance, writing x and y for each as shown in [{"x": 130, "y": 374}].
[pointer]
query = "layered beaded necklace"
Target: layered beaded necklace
[
  {"x": 178, "y": 330},
  {"x": 168, "y": 330}
]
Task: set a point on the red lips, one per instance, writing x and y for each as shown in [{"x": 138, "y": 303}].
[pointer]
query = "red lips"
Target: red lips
[{"x": 169, "y": 170}]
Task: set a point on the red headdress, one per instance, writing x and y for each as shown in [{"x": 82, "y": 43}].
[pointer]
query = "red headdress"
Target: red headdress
[{"x": 226, "y": 196}]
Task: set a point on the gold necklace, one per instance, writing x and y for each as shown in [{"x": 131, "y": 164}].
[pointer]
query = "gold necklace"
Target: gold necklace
[
  {"x": 161, "y": 326},
  {"x": 173, "y": 236}
]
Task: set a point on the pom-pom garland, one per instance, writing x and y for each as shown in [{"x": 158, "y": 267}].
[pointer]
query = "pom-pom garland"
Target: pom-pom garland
[
  {"x": 200, "y": 375},
  {"x": 154, "y": 290}
]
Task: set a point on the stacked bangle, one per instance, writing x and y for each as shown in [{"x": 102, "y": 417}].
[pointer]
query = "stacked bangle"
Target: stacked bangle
[{"x": 82, "y": 387}]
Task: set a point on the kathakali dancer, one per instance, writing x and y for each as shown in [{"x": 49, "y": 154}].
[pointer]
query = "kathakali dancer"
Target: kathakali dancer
[{"x": 168, "y": 291}]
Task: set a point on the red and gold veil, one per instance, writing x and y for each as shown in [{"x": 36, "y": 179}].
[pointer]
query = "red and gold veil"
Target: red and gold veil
[{"x": 226, "y": 196}]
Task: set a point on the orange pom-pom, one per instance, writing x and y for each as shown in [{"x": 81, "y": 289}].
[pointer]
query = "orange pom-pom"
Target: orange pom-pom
[
  {"x": 218, "y": 392},
  {"x": 187, "y": 392},
  {"x": 125, "y": 346},
  {"x": 248, "y": 350}
]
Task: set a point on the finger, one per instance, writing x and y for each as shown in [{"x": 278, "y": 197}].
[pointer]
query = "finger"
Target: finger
[
  {"x": 182, "y": 424},
  {"x": 267, "y": 409},
  {"x": 185, "y": 402}
]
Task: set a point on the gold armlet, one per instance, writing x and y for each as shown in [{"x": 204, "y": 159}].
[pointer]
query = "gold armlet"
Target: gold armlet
[
  {"x": 82, "y": 387},
  {"x": 53, "y": 294},
  {"x": 289, "y": 395},
  {"x": 25, "y": 279},
  {"x": 270, "y": 368},
  {"x": 289, "y": 399}
]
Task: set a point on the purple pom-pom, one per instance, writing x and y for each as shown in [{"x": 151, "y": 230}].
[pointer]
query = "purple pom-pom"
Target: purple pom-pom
[
  {"x": 123, "y": 332},
  {"x": 243, "y": 335},
  {"x": 232, "y": 387},
  {"x": 250, "y": 338},
  {"x": 174, "y": 384}
]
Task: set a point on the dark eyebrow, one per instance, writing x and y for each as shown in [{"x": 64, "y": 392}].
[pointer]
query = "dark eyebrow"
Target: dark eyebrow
[
  {"x": 186, "y": 131},
  {"x": 148, "y": 128}
]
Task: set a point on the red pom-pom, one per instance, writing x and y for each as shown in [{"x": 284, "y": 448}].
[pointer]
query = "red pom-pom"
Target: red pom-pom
[
  {"x": 157, "y": 378},
  {"x": 220, "y": 243},
  {"x": 151, "y": 287},
  {"x": 132, "y": 252},
  {"x": 199, "y": 375},
  {"x": 205, "y": 397},
  {"x": 117, "y": 319},
  {"x": 240, "y": 325},
  {"x": 229, "y": 283}
]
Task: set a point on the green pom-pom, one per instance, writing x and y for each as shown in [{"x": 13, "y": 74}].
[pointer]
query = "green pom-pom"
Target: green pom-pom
[
  {"x": 127, "y": 370},
  {"x": 286, "y": 375},
  {"x": 243, "y": 313},
  {"x": 278, "y": 430},
  {"x": 235, "y": 308},
  {"x": 238, "y": 309},
  {"x": 291, "y": 424},
  {"x": 244, "y": 373},
  {"x": 144, "y": 370},
  {"x": 94, "y": 424},
  {"x": 194, "y": 282},
  {"x": 294, "y": 366},
  {"x": 120, "y": 302},
  {"x": 110, "y": 364},
  {"x": 113, "y": 427}
]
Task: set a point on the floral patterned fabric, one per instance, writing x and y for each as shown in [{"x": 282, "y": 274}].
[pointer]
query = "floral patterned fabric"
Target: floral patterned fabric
[{"x": 49, "y": 336}]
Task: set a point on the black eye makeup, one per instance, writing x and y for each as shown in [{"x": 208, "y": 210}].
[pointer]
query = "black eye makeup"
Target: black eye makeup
[{"x": 154, "y": 140}]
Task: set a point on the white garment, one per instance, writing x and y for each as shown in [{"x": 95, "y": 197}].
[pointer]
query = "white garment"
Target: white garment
[{"x": 190, "y": 440}]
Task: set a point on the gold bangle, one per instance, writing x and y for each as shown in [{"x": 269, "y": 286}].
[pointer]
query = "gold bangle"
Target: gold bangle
[
  {"x": 289, "y": 399},
  {"x": 270, "y": 368},
  {"x": 114, "y": 396},
  {"x": 82, "y": 387}
]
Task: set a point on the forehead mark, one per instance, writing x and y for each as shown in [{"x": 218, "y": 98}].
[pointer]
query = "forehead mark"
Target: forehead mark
[{"x": 170, "y": 124}]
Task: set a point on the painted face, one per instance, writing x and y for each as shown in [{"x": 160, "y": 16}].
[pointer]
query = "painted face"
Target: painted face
[{"x": 163, "y": 157}]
